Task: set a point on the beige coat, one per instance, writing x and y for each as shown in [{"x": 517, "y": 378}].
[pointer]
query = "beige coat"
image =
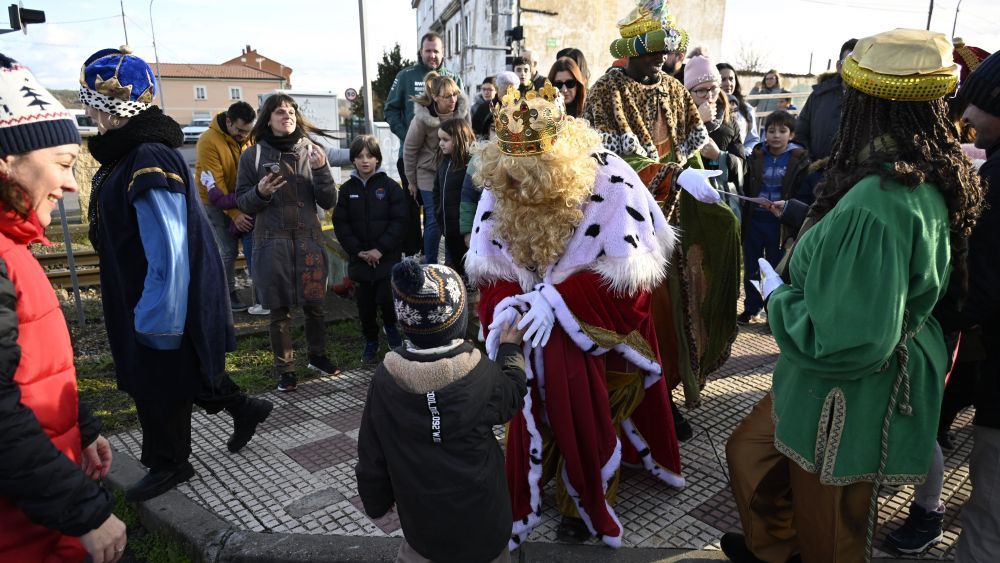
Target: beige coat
[{"x": 421, "y": 144}]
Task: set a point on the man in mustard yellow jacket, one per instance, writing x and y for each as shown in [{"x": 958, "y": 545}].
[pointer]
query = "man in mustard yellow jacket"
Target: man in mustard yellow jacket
[{"x": 217, "y": 154}]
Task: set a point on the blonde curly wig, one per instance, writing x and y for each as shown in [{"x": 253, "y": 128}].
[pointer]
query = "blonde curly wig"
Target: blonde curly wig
[{"x": 539, "y": 198}]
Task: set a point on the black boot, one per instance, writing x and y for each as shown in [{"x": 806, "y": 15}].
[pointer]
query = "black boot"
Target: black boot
[
  {"x": 246, "y": 417},
  {"x": 735, "y": 547},
  {"x": 572, "y": 530},
  {"x": 681, "y": 426},
  {"x": 920, "y": 531},
  {"x": 159, "y": 481}
]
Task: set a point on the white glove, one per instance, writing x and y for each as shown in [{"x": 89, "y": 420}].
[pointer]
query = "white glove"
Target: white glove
[
  {"x": 770, "y": 279},
  {"x": 207, "y": 179},
  {"x": 695, "y": 182},
  {"x": 500, "y": 320},
  {"x": 539, "y": 319}
]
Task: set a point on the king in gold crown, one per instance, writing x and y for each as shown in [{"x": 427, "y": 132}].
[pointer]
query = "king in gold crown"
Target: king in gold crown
[{"x": 529, "y": 125}]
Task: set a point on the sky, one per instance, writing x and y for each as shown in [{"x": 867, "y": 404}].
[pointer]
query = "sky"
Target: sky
[
  {"x": 785, "y": 32},
  {"x": 320, "y": 39}
]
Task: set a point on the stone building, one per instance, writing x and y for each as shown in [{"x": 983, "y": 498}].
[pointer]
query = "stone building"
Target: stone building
[{"x": 473, "y": 30}]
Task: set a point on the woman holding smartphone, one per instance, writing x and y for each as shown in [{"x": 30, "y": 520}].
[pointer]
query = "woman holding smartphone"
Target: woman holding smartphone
[{"x": 281, "y": 180}]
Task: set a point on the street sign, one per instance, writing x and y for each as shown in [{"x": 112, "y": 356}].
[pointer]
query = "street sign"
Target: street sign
[{"x": 351, "y": 94}]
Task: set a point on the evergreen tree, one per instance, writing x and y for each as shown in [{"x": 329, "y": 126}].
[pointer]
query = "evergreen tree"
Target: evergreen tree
[{"x": 392, "y": 62}]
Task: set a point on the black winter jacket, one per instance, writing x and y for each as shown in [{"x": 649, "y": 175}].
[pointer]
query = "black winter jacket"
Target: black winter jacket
[
  {"x": 482, "y": 118},
  {"x": 727, "y": 138},
  {"x": 819, "y": 120},
  {"x": 369, "y": 215},
  {"x": 448, "y": 195},
  {"x": 426, "y": 444},
  {"x": 982, "y": 305}
]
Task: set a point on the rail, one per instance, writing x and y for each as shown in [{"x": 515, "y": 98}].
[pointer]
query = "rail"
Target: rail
[{"x": 88, "y": 272}]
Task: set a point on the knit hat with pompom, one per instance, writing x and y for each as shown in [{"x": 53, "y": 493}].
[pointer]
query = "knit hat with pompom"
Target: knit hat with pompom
[{"x": 430, "y": 303}]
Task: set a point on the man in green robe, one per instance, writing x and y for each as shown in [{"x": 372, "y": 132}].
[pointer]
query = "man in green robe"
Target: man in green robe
[{"x": 650, "y": 120}]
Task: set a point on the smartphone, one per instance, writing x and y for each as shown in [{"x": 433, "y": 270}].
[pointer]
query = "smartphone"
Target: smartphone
[{"x": 272, "y": 167}]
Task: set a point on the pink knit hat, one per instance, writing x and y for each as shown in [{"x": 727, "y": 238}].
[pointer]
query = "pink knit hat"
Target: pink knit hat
[{"x": 700, "y": 70}]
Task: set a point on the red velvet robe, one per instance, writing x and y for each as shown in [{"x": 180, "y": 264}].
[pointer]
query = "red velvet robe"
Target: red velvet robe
[{"x": 570, "y": 374}]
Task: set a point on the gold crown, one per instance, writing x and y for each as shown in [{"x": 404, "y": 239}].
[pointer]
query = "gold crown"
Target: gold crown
[{"x": 529, "y": 124}]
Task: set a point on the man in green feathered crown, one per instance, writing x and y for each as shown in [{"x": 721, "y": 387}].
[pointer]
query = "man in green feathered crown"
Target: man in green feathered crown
[{"x": 649, "y": 119}]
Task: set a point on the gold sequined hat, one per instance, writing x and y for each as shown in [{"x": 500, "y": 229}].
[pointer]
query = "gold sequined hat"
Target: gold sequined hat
[
  {"x": 648, "y": 28},
  {"x": 528, "y": 125},
  {"x": 907, "y": 65}
]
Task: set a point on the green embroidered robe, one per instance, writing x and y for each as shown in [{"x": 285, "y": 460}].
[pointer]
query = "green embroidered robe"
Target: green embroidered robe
[{"x": 881, "y": 255}]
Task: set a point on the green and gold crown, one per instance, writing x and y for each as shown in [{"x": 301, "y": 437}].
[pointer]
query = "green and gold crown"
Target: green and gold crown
[
  {"x": 529, "y": 125},
  {"x": 648, "y": 28}
]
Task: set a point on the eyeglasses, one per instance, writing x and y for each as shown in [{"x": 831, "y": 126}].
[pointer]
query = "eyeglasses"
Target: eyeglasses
[
  {"x": 705, "y": 91},
  {"x": 569, "y": 84}
]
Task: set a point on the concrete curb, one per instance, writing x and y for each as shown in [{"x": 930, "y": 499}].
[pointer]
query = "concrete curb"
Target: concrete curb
[{"x": 206, "y": 538}]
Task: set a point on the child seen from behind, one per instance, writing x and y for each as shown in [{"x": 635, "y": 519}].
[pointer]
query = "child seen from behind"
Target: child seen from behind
[{"x": 426, "y": 441}]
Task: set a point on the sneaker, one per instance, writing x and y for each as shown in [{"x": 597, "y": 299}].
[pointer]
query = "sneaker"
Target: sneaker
[
  {"x": 371, "y": 349},
  {"x": 258, "y": 310},
  {"x": 234, "y": 302},
  {"x": 920, "y": 531},
  {"x": 323, "y": 365},
  {"x": 392, "y": 334},
  {"x": 746, "y": 317},
  {"x": 287, "y": 382}
]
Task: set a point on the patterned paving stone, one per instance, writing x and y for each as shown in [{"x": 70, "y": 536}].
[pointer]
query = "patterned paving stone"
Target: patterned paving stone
[
  {"x": 388, "y": 523},
  {"x": 344, "y": 420},
  {"x": 283, "y": 416},
  {"x": 324, "y": 453},
  {"x": 309, "y": 445},
  {"x": 719, "y": 511}
]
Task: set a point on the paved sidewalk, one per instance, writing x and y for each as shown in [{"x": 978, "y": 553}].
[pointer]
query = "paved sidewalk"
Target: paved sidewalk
[{"x": 297, "y": 477}]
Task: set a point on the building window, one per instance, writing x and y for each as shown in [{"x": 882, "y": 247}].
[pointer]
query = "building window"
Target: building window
[
  {"x": 201, "y": 92},
  {"x": 235, "y": 93}
]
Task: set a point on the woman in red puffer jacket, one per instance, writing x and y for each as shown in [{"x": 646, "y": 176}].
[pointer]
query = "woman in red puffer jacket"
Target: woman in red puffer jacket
[{"x": 51, "y": 509}]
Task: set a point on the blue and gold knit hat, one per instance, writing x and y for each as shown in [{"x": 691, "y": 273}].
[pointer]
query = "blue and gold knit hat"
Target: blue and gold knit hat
[
  {"x": 117, "y": 82},
  {"x": 30, "y": 116},
  {"x": 648, "y": 28}
]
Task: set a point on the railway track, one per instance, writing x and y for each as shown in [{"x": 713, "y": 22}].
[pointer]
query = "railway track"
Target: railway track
[{"x": 88, "y": 271}]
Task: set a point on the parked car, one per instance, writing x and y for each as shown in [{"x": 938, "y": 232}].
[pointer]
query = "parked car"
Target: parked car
[
  {"x": 84, "y": 123},
  {"x": 195, "y": 129}
]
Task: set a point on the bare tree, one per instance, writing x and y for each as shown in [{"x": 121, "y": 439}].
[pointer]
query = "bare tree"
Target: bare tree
[{"x": 750, "y": 58}]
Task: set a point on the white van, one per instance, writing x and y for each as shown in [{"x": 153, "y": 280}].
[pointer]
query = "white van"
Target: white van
[{"x": 86, "y": 125}]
